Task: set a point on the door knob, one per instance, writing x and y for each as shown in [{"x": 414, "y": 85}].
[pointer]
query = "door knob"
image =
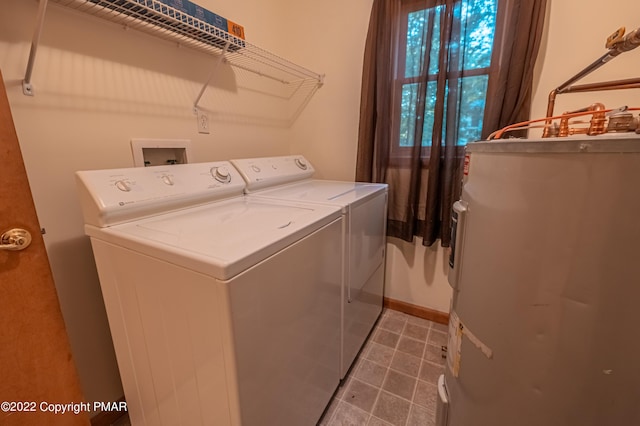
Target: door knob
[{"x": 15, "y": 239}]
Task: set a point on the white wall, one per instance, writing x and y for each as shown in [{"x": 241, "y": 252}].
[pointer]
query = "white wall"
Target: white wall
[
  {"x": 576, "y": 34},
  {"x": 97, "y": 86},
  {"x": 417, "y": 274},
  {"x": 330, "y": 36}
]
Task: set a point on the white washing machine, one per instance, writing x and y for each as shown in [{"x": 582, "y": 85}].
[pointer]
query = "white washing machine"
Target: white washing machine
[
  {"x": 224, "y": 309},
  {"x": 364, "y": 209}
]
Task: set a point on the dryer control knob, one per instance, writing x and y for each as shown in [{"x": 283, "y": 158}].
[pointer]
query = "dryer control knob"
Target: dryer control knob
[
  {"x": 123, "y": 185},
  {"x": 301, "y": 163},
  {"x": 221, "y": 174}
]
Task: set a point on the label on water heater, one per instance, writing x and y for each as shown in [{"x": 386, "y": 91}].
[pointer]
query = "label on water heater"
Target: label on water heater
[{"x": 454, "y": 344}]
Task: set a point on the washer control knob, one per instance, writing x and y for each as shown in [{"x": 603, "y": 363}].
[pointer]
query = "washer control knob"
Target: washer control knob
[
  {"x": 221, "y": 174},
  {"x": 123, "y": 185},
  {"x": 168, "y": 180},
  {"x": 301, "y": 163}
]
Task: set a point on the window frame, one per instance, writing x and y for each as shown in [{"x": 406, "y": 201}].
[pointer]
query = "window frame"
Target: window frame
[{"x": 401, "y": 155}]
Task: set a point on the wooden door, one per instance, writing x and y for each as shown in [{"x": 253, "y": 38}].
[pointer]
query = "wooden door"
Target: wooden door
[{"x": 36, "y": 366}]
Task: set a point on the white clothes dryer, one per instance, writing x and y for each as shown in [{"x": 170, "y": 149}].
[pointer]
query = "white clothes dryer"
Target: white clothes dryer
[
  {"x": 364, "y": 209},
  {"x": 224, "y": 309}
]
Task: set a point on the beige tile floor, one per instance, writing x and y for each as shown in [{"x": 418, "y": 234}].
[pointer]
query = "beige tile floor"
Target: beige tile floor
[{"x": 393, "y": 381}]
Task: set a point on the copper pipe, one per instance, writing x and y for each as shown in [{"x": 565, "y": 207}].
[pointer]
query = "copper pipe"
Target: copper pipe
[
  {"x": 598, "y": 120},
  {"x": 596, "y": 125},
  {"x": 617, "y": 45},
  {"x": 631, "y": 83},
  {"x": 550, "y": 106},
  {"x": 526, "y": 124},
  {"x": 629, "y": 42}
]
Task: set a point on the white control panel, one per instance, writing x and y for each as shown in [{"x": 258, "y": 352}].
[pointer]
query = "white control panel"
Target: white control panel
[
  {"x": 266, "y": 172},
  {"x": 115, "y": 196}
]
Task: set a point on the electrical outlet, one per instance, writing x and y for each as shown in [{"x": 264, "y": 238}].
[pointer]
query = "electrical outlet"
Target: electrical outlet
[{"x": 203, "y": 122}]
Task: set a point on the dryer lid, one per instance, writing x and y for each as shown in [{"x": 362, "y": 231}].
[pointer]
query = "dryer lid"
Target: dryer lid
[{"x": 325, "y": 191}]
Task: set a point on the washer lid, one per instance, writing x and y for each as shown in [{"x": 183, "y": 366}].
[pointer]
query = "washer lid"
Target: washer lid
[
  {"x": 324, "y": 191},
  {"x": 220, "y": 239}
]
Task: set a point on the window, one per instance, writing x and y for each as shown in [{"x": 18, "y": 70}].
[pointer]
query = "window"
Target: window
[
  {"x": 482, "y": 86},
  {"x": 469, "y": 69}
]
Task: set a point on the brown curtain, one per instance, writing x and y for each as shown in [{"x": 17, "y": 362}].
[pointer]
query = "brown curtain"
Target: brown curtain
[
  {"x": 519, "y": 32},
  {"x": 424, "y": 179}
]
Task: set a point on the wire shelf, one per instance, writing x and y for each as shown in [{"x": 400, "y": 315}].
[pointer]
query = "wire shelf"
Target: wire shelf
[{"x": 161, "y": 20}]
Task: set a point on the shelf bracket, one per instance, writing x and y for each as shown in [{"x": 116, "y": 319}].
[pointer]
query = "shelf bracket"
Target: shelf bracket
[
  {"x": 211, "y": 74},
  {"x": 27, "y": 88}
]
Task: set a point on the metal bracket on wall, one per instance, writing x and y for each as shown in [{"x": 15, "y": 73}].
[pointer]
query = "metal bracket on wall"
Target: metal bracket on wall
[
  {"x": 211, "y": 74},
  {"x": 158, "y": 18},
  {"x": 27, "y": 88}
]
